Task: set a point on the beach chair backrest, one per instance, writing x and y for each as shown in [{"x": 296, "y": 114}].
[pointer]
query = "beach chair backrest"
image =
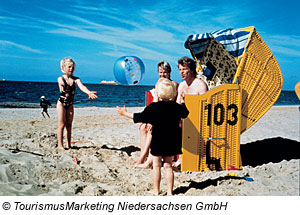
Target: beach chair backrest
[{"x": 260, "y": 77}]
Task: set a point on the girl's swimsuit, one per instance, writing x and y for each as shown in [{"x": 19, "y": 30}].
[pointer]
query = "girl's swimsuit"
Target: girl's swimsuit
[{"x": 67, "y": 95}]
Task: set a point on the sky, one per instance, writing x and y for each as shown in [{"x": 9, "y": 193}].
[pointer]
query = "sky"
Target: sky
[{"x": 35, "y": 35}]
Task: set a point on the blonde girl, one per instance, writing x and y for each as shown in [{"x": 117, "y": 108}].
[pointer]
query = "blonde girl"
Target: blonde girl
[{"x": 67, "y": 84}]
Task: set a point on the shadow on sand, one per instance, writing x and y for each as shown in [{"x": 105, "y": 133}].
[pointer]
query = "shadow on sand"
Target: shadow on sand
[
  {"x": 127, "y": 149},
  {"x": 204, "y": 184},
  {"x": 269, "y": 150},
  {"x": 254, "y": 154}
]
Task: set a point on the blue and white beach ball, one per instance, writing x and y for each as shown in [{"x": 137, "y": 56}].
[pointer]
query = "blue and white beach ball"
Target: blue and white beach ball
[{"x": 129, "y": 70}]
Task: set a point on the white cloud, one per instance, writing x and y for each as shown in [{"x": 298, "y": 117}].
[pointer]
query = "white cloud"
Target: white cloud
[
  {"x": 6, "y": 43},
  {"x": 285, "y": 51},
  {"x": 150, "y": 41},
  {"x": 122, "y": 45},
  {"x": 287, "y": 45},
  {"x": 287, "y": 40}
]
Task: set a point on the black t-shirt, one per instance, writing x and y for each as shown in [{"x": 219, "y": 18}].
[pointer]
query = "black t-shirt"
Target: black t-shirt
[
  {"x": 166, "y": 133},
  {"x": 44, "y": 104}
]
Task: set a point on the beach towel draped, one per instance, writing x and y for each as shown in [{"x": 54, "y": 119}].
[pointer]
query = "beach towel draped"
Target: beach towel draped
[{"x": 234, "y": 40}]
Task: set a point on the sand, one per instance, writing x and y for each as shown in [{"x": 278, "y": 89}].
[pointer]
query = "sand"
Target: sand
[{"x": 106, "y": 144}]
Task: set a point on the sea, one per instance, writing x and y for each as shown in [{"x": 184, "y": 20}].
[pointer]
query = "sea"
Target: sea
[{"x": 24, "y": 94}]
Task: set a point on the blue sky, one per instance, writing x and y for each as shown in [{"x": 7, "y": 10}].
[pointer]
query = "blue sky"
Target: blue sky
[{"x": 36, "y": 34}]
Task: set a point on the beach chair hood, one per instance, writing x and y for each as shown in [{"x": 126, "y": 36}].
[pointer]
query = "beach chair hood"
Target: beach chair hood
[
  {"x": 257, "y": 71},
  {"x": 233, "y": 40}
]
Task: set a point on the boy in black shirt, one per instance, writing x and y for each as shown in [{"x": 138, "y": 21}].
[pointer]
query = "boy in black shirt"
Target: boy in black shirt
[
  {"x": 165, "y": 116},
  {"x": 44, "y": 104}
]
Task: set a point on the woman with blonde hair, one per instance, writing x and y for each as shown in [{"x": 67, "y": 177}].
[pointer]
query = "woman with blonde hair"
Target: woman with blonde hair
[{"x": 164, "y": 116}]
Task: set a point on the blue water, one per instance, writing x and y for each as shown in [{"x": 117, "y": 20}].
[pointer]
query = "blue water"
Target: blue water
[{"x": 27, "y": 94}]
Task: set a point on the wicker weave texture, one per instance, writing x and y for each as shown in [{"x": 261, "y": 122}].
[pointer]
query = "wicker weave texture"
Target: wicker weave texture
[{"x": 211, "y": 133}]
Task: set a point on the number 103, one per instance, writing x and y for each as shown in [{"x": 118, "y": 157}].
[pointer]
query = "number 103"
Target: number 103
[{"x": 219, "y": 114}]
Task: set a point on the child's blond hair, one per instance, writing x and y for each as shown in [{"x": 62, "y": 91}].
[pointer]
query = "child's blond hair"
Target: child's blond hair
[
  {"x": 165, "y": 89},
  {"x": 65, "y": 62}
]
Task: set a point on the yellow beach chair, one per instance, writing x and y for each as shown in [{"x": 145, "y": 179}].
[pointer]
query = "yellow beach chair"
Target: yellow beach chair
[
  {"x": 258, "y": 76},
  {"x": 297, "y": 89},
  {"x": 211, "y": 133},
  {"x": 258, "y": 72}
]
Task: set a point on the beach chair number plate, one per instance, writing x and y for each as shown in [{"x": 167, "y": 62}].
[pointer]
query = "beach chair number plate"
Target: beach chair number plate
[{"x": 219, "y": 114}]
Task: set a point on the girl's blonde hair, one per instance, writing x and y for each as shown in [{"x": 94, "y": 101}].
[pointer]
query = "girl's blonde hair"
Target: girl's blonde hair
[
  {"x": 65, "y": 62},
  {"x": 165, "y": 89}
]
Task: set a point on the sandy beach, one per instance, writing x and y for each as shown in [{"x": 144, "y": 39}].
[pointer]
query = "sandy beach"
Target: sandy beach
[{"x": 105, "y": 145}]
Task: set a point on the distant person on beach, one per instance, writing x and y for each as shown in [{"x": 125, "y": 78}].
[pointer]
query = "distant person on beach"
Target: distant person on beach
[
  {"x": 44, "y": 104},
  {"x": 65, "y": 109},
  {"x": 145, "y": 160},
  {"x": 164, "y": 116},
  {"x": 189, "y": 86}
]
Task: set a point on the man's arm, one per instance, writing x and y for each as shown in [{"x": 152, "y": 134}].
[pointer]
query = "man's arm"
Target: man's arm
[
  {"x": 179, "y": 99},
  {"x": 202, "y": 87}
]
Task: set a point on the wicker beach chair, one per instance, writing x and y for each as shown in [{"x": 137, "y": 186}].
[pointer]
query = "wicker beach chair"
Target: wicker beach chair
[
  {"x": 259, "y": 78},
  {"x": 257, "y": 71}
]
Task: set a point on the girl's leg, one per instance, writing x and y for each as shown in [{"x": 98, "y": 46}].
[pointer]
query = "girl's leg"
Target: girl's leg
[
  {"x": 177, "y": 164},
  {"x": 147, "y": 165},
  {"x": 61, "y": 116},
  {"x": 145, "y": 159},
  {"x": 156, "y": 174},
  {"x": 143, "y": 135},
  {"x": 69, "y": 121},
  {"x": 169, "y": 174}
]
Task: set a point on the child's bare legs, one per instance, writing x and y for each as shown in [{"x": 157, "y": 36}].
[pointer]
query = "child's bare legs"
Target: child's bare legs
[
  {"x": 69, "y": 121},
  {"x": 169, "y": 174},
  {"x": 61, "y": 117},
  {"x": 42, "y": 112},
  {"x": 65, "y": 118},
  {"x": 47, "y": 114},
  {"x": 156, "y": 174}
]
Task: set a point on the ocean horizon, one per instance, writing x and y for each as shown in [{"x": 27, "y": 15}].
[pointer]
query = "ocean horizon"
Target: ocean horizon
[{"x": 26, "y": 94}]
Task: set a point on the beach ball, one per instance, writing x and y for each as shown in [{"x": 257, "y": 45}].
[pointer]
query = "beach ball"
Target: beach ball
[{"x": 129, "y": 70}]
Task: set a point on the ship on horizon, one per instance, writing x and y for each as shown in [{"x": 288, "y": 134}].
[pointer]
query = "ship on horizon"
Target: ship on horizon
[{"x": 109, "y": 82}]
